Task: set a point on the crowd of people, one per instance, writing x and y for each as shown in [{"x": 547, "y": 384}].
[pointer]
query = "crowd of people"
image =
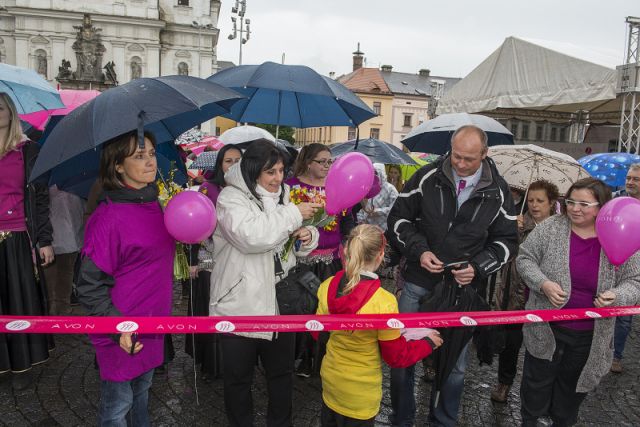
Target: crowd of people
[{"x": 453, "y": 223}]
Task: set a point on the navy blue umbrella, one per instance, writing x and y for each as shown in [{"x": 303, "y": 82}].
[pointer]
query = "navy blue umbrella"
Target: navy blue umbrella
[
  {"x": 610, "y": 168},
  {"x": 166, "y": 106},
  {"x": 378, "y": 151},
  {"x": 434, "y": 136},
  {"x": 291, "y": 95}
]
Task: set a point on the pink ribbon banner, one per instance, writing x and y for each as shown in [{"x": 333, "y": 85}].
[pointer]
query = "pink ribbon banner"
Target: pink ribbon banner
[{"x": 207, "y": 325}]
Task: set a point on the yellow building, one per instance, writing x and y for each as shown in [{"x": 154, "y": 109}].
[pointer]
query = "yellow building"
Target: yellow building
[{"x": 370, "y": 87}]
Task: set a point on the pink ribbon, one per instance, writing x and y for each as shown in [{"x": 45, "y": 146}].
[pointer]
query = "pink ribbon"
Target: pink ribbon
[{"x": 203, "y": 325}]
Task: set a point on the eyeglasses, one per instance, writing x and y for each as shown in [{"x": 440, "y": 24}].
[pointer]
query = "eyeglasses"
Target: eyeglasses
[
  {"x": 581, "y": 205},
  {"x": 324, "y": 162},
  {"x": 633, "y": 178}
]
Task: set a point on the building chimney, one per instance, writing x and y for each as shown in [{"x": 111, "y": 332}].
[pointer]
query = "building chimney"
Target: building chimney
[
  {"x": 332, "y": 75},
  {"x": 357, "y": 58},
  {"x": 387, "y": 68},
  {"x": 424, "y": 72}
]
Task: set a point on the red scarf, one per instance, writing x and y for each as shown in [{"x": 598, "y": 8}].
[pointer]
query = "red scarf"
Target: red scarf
[{"x": 352, "y": 302}]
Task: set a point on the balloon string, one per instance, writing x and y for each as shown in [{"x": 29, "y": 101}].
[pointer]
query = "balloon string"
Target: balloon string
[{"x": 193, "y": 336}]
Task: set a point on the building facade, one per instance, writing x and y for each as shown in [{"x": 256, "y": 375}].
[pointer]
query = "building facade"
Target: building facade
[
  {"x": 401, "y": 100},
  {"x": 120, "y": 39}
]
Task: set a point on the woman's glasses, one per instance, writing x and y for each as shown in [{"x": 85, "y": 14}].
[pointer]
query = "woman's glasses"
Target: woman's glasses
[
  {"x": 582, "y": 205},
  {"x": 324, "y": 162}
]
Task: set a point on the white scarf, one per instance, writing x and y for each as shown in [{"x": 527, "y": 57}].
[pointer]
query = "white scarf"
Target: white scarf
[{"x": 269, "y": 200}]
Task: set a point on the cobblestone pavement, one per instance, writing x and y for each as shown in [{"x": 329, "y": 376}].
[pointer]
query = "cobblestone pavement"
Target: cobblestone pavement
[{"x": 65, "y": 392}]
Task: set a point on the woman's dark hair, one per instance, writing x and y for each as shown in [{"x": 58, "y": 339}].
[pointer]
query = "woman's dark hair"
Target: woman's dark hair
[
  {"x": 218, "y": 174},
  {"x": 306, "y": 155},
  {"x": 114, "y": 152},
  {"x": 550, "y": 188},
  {"x": 261, "y": 155},
  {"x": 600, "y": 191}
]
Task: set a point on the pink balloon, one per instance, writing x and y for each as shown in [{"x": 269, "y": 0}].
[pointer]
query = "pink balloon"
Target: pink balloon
[
  {"x": 349, "y": 180},
  {"x": 618, "y": 228},
  {"x": 190, "y": 217},
  {"x": 375, "y": 187}
]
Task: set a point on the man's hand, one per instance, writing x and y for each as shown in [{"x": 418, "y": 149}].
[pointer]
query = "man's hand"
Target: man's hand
[
  {"x": 193, "y": 271},
  {"x": 464, "y": 276},
  {"x": 554, "y": 293},
  {"x": 430, "y": 262}
]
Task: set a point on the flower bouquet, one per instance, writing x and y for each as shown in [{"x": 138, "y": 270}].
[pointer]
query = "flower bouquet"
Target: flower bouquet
[
  {"x": 166, "y": 190},
  {"x": 320, "y": 220}
]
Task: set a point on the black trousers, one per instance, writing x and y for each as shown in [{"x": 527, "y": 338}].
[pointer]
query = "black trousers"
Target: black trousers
[
  {"x": 330, "y": 418},
  {"x": 549, "y": 387},
  {"x": 239, "y": 355},
  {"x": 508, "y": 359}
]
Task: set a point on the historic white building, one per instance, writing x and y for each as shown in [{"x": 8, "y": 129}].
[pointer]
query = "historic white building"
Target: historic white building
[{"x": 110, "y": 41}]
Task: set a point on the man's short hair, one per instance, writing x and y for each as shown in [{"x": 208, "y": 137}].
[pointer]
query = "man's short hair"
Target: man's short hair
[
  {"x": 634, "y": 167},
  {"x": 476, "y": 130}
]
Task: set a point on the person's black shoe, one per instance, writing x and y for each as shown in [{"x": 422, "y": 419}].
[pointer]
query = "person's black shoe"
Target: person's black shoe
[{"x": 304, "y": 368}]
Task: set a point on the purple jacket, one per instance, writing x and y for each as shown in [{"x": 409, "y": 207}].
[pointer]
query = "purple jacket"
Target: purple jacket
[{"x": 129, "y": 242}]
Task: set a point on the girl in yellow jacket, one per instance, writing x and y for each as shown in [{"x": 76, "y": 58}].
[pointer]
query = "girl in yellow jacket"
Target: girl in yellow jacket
[{"x": 352, "y": 368}]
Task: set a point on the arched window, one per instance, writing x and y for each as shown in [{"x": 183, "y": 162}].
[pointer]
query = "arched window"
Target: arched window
[
  {"x": 41, "y": 62},
  {"x": 183, "y": 69},
  {"x": 136, "y": 68}
]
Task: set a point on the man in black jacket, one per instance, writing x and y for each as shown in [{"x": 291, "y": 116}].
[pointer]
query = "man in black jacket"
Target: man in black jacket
[{"x": 457, "y": 210}]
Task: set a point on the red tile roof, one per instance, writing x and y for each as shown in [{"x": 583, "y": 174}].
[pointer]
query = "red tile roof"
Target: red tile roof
[{"x": 368, "y": 80}]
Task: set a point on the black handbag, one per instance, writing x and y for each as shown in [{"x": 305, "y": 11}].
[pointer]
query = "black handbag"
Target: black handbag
[{"x": 298, "y": 292}]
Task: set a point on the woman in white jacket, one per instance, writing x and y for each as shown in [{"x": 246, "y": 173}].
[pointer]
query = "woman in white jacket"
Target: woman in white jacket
[{"x": 255, "y": 220}]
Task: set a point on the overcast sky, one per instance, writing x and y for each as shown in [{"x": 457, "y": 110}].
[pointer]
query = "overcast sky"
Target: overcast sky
[{"x": 449, "y": 37}]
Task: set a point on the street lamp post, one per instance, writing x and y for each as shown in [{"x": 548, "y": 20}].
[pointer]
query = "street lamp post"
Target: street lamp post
[
  {"x": 240, "y": 9},
  {"x": 200, "y": 27}
]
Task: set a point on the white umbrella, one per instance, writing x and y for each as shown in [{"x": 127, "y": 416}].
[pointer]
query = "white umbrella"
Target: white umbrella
[
  {"x": 246, "y": 133},
  {"x": 434, "y": 136},
  {"x": 520, "y": 165}
]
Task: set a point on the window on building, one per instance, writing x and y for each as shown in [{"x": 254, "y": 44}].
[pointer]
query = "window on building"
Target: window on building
[
  {"x": 374, "y": 133},
  {"x": 554, "y": 134},
  {"x": 320, "y": 134},
  {"x": 217, "y": 130},
  {"x": 376, "y": 107},
  {"x": 407, "y": 120},
  {"x": 525, "y": 131},
  {"x": 351, "y": 133},
  {"x": 563, "y": 134},
  {"x": 183, "y": 2},
  {"x": 539, "y": 130},
  {"x": 514, "y": 129}
]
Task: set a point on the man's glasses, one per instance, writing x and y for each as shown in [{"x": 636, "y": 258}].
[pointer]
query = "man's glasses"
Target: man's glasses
[
  {"x": 633, "y": 178},
  {"x": 582, "y": 205},
  {"x": 324, "y": 162}
]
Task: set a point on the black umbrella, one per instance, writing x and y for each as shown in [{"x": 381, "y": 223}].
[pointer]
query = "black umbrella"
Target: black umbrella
[
  {"x": 166, "y": 106},
  {"x": 378, "y": 151},
  {"x": 449, "y": 296}
]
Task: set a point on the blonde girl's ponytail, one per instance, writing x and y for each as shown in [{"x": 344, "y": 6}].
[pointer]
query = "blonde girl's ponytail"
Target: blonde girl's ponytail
[{"x": 363, "y": 246}]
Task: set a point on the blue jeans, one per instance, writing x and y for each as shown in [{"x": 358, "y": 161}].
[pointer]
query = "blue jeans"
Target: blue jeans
[
  {"x": 125, "y": 403},
  {"x": 403, "y": 379},
  {"x": 623, "y": 327}
]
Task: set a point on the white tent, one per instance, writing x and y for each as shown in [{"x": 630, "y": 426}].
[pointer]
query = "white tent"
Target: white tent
[{"x": 522, "y": 75}]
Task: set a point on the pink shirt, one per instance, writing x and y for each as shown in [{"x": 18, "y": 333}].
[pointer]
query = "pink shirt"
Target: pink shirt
[{"x": 12, "y": 181}]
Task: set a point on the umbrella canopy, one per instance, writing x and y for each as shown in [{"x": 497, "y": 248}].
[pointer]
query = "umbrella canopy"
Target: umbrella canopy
[
  {"x": 377, "y": 151},
  {"x": 421, "y": 160},
  {"x": 78, "y": 174},
  {"x": 520, "y": 165},
  {"x": 28, "y": 90},
  {"x": 291, "y": 95},
  {"x": 70, "y": 98},
  {"x": 449, "y": 296},
  {"x": 434, "y": 136},
  {"x": 610, "y": 168},
  {"x": 166, "y": 106},
  {"x": 205, "y": 161},
  {"x": 242, "y": 134}
]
